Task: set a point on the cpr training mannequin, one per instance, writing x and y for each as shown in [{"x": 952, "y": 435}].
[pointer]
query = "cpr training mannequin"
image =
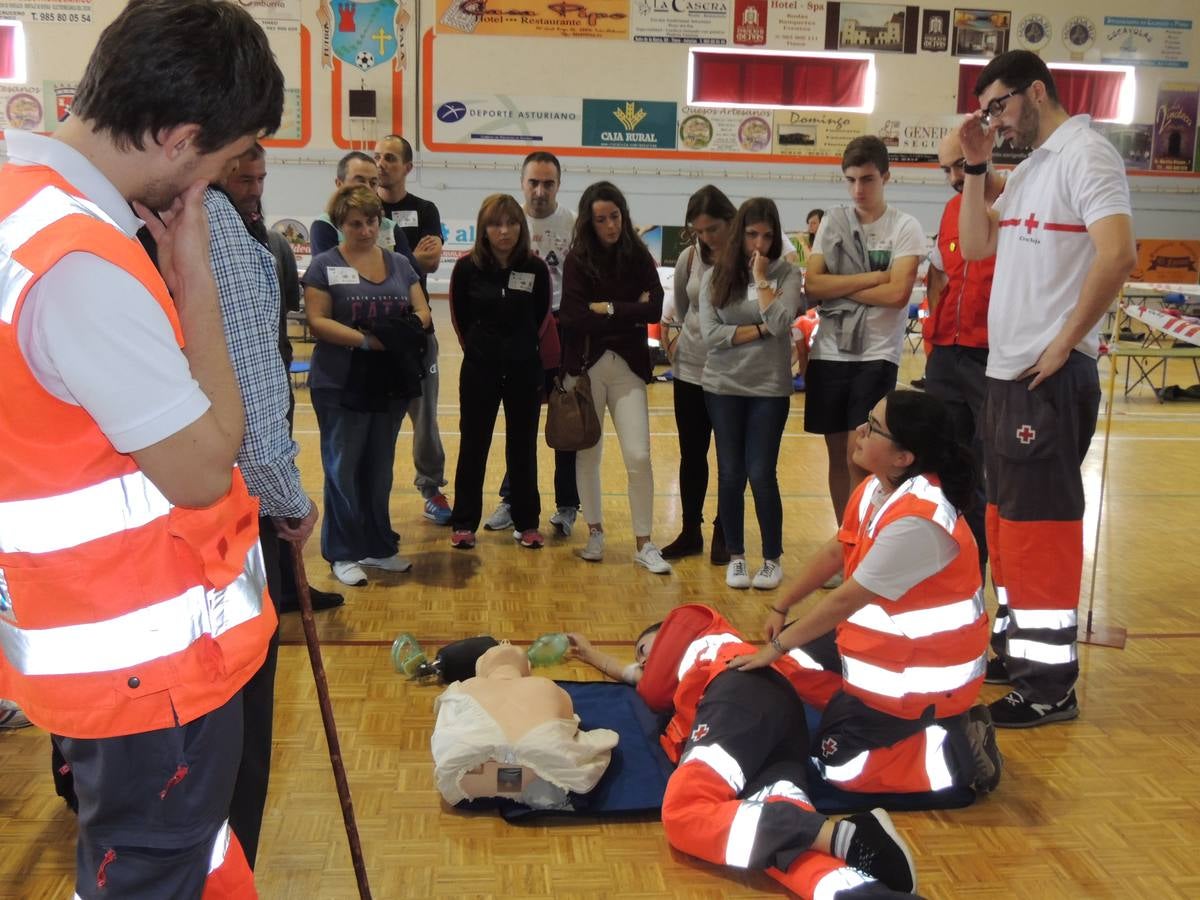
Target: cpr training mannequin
[{"x": 506, "y": 733}]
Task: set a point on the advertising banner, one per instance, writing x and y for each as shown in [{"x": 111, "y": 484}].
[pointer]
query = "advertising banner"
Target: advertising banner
[
  {"x": 629, "y": 124},
  {"x": 1175, "y": 127},
  {"x": 537, "y": 18},
  {"x": 503, "y": 119},
  {"x": 692, "y": 22},
  {"x": 1133, "y": 41}
]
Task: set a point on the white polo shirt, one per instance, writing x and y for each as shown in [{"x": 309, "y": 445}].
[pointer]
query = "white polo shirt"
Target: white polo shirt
[{"x": 1044, "y": 251}]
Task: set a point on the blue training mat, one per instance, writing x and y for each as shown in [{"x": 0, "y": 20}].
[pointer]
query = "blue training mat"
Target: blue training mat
[{"x": 636, "y": 778}]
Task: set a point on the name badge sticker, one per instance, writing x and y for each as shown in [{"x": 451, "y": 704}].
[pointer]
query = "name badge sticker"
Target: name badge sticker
[
  {"x": 342, "y": 275},
  {"x": 405, "y": 218},
  {"x": 520, "y": 281}
]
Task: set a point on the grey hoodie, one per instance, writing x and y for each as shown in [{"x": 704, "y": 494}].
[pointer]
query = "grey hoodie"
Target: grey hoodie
[{"x": 847, "y": 256}]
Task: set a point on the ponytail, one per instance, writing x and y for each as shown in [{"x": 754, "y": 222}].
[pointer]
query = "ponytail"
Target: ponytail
[{"x": 922, "y": 425}]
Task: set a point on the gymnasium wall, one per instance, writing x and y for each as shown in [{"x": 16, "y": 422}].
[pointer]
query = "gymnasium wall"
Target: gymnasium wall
[{"x": 505, "y": 81}]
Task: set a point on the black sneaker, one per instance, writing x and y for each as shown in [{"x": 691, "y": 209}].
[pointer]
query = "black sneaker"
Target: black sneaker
[
  {"x": 997, "y": 672},
  {"x": 981, "y": 736},
  {"x": 1014, "y": 711},
  {"x": 876, "y": 849},
  {"x": 320, "y": 600}
]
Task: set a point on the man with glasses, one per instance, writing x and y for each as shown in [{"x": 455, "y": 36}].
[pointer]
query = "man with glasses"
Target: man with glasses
[
  {"x": 1062, "y": 234},
  {"x": 957, "y": 327}
]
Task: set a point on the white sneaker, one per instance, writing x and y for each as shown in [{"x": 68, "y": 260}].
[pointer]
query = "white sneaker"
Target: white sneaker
[
  {"x": 393, "y": 563},
  {"x": 11, "y": 716},
  {"x": 594, "y": 551},
  {"x": 501, "y": 519},
  {"x": 737, "y": 575},
  {"x": 349, "y": 572},
  {"x": 651, "y": 557},
  {"x": 834, "y": 582},
  {"x": 563, "y": 520},
  {"x": 769, "y": 576}
]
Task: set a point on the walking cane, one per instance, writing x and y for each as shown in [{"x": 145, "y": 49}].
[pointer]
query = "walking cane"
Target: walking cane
[{"x": 331, "y": 736}]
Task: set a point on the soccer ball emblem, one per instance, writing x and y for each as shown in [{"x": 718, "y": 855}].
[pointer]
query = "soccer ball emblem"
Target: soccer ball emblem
[{"x": 365, "y": 59}]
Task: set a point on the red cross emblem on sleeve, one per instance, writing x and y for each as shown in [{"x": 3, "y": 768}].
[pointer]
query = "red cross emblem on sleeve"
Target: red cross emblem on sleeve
[
  {"x": 1026, "y": 434},
  {"x": 1031, "y": 223},
  {"x": 699, "y": 731},
  {"x": 828, "y": 747}
]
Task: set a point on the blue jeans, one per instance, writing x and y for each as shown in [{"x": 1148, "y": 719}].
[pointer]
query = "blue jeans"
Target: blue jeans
[
  {"x": 358, "y": 453},
  {"x": 748, "y": 431}
]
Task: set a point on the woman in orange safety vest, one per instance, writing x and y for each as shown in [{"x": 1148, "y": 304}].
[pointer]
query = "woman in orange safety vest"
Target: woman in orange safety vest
[{"x": 910, "y": 624}]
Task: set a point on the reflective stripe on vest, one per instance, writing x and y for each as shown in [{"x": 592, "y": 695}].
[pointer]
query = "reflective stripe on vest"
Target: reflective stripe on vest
[
  {"x": 1038, "y": 651},
  {"x": 715, "y": 757},
  {"x": 843, "y": 879},
  {"x": 39, "y": 212},
  {"x": 922, "y": 622},
  {"x": 705, "y": 650},
  {"x": 1053, "y": 619},
  {"x": 140, "y": 636},
  {"x": 805, "y": 661},
  {"x": 912, "y": 680},
  {"x": 55, "y": 523},
  {"x": 944, "y": 513}
]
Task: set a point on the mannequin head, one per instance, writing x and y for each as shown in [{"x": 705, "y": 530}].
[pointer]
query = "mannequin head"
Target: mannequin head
[{"x": 503, "y": 661}]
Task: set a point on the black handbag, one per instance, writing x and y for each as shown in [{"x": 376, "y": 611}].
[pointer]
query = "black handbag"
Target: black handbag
[{"x": 571, "y": 420}]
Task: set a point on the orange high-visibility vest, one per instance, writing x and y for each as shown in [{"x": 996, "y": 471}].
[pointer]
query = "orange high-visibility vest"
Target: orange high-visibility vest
[
  {"x": 703, "y": 659},
  {"x": 930, "y": 646},
  {"x": 119, "y": 612}
]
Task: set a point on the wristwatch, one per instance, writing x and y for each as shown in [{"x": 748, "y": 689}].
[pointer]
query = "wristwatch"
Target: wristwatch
[
  {"x": 611, "y": 309},
  {"x": 762, "y": 285},
  {"x": 975, "y": 168}
]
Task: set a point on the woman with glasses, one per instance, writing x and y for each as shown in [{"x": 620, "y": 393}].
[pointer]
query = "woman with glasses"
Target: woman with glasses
[
  {"x": 746, "y": 310},
  {"x": 907, "y": 628}
]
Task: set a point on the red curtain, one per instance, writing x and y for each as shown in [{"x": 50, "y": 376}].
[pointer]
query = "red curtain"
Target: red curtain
[
  {"x": 8, "y": 51},
  {"x": 779, "y": 80},
  {"x": 1096, "y": 92},
  {"x": 825, "y": 81}
]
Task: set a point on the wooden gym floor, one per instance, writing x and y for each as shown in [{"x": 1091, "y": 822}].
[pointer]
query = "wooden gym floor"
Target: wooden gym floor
[{"x": 1107, "y": 806}]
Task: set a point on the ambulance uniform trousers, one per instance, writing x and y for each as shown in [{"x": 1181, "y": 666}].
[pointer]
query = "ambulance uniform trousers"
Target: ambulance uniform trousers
[
  {"x": 956, "y": 375},
  {"x": 738, "y": 796},
  {"x": 153, "y": 811},
  {"x": 1035, "y": 444}
]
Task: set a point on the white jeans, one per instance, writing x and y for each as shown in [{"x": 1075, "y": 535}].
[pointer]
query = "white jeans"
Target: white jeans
[{"x": 615, "y": 387}]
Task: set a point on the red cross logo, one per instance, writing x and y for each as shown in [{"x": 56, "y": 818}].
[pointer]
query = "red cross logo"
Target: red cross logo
[
  {"x": 1031, "y": 223},
  {"x": 828, "y": 747},
  {"x": 699, "y": 732},
  {"x": 1026, "y": 434}
]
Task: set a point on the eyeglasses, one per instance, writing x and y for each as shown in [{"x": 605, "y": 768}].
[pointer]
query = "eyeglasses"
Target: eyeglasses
[
  {"x": 996, "y": 107},
  {"x": 873, "y": 426},
  {"x": 957, "y": 164}
]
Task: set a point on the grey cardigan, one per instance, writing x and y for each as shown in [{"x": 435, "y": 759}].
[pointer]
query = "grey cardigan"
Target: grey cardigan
[
  {"x": 847, "y": 256},
  {"x": 760, "y": 368}
]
